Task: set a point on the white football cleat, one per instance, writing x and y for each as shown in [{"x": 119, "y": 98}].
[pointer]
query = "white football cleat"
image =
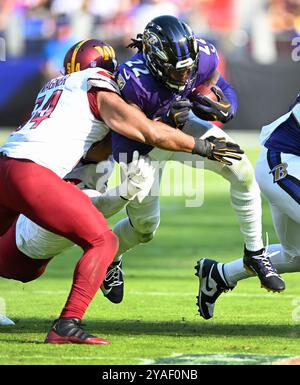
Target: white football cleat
[{"x": 4, "y": 321}]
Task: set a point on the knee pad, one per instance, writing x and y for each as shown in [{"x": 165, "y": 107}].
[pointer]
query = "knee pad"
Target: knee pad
[{"x": 147, "y": 225}]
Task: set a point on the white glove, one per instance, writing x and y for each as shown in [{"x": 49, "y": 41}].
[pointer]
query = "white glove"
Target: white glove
[{"x": 139, "y": 178}]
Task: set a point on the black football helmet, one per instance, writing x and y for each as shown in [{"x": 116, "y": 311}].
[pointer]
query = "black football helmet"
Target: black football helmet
[{"x": 171, "y": 52}]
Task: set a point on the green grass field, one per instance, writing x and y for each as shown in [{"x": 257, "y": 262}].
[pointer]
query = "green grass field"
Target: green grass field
[{"x": 158, "y": 321}]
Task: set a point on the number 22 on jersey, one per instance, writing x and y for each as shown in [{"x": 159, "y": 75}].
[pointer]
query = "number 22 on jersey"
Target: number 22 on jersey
[{"x": 137, "y": 71}]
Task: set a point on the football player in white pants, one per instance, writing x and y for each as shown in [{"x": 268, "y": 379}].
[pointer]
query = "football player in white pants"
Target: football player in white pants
[
  {"x": 278, "y": 176},
  {"x": 165, "y": 79},
  {"x": 143, "y": 218},
  {"x": 34, "y": 242}
]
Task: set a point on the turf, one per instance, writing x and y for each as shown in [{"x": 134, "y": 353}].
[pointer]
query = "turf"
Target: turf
[{"x": 158, "y": 317}]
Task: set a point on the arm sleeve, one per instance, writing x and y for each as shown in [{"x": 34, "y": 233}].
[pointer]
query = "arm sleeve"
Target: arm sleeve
[{"x": 229, "y": 92}]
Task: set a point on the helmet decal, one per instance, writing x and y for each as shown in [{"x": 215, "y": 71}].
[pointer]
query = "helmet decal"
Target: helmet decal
[
  {"x": 77, "y": 48},
  {"x": 106, "y": 51},
  {"x": 154, "y": 44}
]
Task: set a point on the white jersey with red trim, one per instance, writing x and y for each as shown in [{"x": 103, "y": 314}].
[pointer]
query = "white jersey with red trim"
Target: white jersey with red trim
[{"x": 62, "y": 126}]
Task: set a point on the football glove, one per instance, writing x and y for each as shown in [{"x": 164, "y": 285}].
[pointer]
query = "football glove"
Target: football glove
[
  {"x": 178, "y": 113},
  {"x": 207, "y": 109},
  {"x": 139, "y": 178},
  {"x": 217, "y": 149}
]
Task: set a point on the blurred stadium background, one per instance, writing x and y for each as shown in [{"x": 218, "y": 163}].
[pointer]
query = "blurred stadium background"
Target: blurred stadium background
[{"x": 253, "y": 36}]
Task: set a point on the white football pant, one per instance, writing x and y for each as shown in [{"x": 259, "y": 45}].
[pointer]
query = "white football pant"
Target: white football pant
[
  {"x": 285, "y": 213},
  {"x": 143, "y": 218}
]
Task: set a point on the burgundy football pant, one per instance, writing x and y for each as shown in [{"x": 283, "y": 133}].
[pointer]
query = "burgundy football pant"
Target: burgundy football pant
[
  {"x": 58, "y": 206},
  {"x": 16, "y": 265}
]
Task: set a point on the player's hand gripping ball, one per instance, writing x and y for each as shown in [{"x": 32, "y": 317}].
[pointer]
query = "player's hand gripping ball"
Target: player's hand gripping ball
[{"x": 210, "y": 103}]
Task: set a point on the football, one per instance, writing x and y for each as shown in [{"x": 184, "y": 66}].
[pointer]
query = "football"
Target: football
[{"x": 204, "y": 90}]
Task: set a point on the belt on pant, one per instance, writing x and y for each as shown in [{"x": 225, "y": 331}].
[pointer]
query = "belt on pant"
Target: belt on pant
[{"x": 2, "y": 155}]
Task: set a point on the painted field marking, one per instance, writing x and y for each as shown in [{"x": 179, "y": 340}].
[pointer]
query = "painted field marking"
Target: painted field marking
[{"x": 224, "y": 359}]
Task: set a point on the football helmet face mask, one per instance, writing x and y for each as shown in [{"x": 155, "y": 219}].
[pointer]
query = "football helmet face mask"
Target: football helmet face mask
[
  {"x": 90, "y": 53},
  {"x": 171, "y": 52}
]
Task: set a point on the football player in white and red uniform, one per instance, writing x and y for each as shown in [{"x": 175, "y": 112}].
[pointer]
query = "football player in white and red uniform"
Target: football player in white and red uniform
[
  {"x": 72, "y": 113},
  {"x": 26, "y": 248}
]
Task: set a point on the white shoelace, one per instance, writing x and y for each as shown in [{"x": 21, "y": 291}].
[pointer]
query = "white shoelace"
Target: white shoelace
[
  {"x": 265, "y": 258},
  {"x": 115, "y": 274}
]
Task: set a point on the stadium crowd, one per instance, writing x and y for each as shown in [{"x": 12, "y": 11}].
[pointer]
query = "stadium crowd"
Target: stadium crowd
[{"x": 34, "y": 26}]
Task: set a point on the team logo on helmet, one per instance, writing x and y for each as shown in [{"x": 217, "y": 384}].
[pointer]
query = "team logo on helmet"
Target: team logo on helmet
[
  {"x": 153, "y": 43},
  {"x": 106, "y": 51}
]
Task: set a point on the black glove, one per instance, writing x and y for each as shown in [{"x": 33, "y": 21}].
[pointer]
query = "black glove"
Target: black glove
[
  {"x": 217, "y": 149},
  {"x": 207, "y": 109},
  {"x": 178, "y": 113}
]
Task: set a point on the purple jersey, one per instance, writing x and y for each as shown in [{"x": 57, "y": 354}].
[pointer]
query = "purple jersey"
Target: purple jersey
[
  {"x": 140, "y": 87},
  {"x": 286, "y": 137}
]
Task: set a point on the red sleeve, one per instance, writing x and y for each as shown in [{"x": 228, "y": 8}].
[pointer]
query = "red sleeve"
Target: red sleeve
[{"x": 92, "y": 97}]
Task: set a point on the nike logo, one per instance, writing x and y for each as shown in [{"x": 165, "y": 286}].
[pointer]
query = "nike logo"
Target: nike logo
[
  {"x": 207, "y": 281},
  {"x": 225, "y": 113},
  {"x": 105, "y": 291},
  {"x": 208, "y": 288}
]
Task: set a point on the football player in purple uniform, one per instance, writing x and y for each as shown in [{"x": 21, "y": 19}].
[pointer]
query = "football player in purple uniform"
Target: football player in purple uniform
[{"x": 161, "y": 80}]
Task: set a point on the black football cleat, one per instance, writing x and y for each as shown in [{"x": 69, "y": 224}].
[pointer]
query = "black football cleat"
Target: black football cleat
[
  {"x": 113, "y": 284},
  {"x": 212, "y": 284},
  {"x": 70, "y": 331},
  {"x": 260, "y": 264}
]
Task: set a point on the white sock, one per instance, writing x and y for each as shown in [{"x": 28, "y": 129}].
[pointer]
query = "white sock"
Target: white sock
[
  {"x": 234, "y": 271},
  {"x": 128, "y": 237},
  {"x": 246, "y": 201},
  {"x": 247, "y": 206}
]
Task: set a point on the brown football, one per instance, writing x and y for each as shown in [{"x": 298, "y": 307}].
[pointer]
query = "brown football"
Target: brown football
[{"x": 205, "y": 91}]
